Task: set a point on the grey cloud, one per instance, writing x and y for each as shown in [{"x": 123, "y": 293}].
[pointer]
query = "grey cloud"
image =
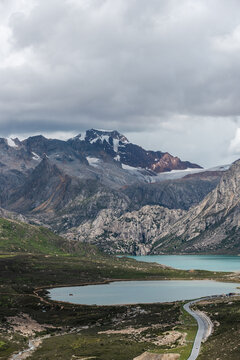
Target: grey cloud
[{"x": 131, "y": 65}]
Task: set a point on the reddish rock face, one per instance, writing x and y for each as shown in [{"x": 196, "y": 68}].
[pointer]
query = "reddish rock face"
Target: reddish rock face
[{"x": 169, "y": 162}]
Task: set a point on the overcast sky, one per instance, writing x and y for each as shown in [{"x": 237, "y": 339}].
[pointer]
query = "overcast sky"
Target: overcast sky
[{"x": 165, "y": 73}]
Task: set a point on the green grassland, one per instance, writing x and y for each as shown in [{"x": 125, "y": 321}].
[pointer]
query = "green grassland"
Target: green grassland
[
  {"x": 33, "y": 258},
  {"x": 224, "y": 343},
  {"x": 189, "y": 326},
  {"x": 18, "y": 237}
]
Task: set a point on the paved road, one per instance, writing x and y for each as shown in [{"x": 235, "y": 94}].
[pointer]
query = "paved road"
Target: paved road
[{"x": 204, "y": 328}]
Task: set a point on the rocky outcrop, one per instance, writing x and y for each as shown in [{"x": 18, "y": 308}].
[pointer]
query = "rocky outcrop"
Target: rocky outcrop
[
  {"x": 12, "y": 215},
  {"x": 132, "y": 233}
]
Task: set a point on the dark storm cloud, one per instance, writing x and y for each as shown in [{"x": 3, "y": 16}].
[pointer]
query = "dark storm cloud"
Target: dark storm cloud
[{"x": 136, "y": 66}]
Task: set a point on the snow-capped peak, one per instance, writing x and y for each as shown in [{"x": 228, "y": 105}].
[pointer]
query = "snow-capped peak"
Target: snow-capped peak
[
  {"x": 93, "y": 161},
  {"x": 80, "y": 136},
  {"x": 104, "y": 130},
  {"x": 112, "y": 137},
  {"x": 100, "y": 138},
  {"x": 11, "y": 142},
  {"x": 96, "y": 135}
]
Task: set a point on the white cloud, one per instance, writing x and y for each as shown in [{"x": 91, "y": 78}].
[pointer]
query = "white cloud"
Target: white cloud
[
  {"x": 61, "y": 135},
  {"x": 234, "y": 147},
  {"x": 201, "y": 140},
  {"x": 228, "y": 43}
]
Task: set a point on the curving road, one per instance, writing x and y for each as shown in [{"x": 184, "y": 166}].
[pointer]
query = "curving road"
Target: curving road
[{"x": 205, "y": 327}]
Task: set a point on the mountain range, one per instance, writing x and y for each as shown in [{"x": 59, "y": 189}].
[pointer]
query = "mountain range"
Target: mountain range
[{"x": 98, "y": 187}]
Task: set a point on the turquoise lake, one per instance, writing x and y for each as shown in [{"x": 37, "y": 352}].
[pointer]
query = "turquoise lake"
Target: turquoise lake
[
  {"x": 200, "y": 262},
  {"x": 132, "y": 292}
]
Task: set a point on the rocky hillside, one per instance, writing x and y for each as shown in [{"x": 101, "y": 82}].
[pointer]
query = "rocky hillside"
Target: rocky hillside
[
  {"x": 173, "y": 194},
  {"x": 132, "y": 233},
  {"x": 212, "y": 226}
]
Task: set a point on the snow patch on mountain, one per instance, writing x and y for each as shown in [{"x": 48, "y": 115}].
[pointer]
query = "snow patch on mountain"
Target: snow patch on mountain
[
  {"x": 82, "y": 136},
  {"x": 95, "y": 162},
  {"x": 102, "y": 130},
  {"x": 115, "y": 145},
  {"x": 127, "y": 167},
  {"x": 35, "y": 156},
  {"x": 178, "y": 174},
  {"x": 101, "y": 138},
  {"x": 11, "y": 143}
]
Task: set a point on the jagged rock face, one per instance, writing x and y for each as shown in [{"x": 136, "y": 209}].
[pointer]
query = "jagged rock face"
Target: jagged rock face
[
  {"x": 214, "y": 224},
  {"x": 132, "y": 233},
  {"x": 91, "y": 200},
  {"x": 12, "y": 215},
  {"x": 9, "y": 180}
]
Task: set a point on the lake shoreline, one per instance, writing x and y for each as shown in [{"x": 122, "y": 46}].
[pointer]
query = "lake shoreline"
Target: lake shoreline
[{"x": 158, "y": 291}]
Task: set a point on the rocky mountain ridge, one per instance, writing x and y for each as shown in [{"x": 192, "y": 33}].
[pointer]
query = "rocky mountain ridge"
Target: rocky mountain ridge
[
  {"x": 120, "y": 149},
  {"x": 105, "y": 145},
  {"x": 212, "y": 226},
  {"x": 103, "y": 156},
  {"x": 51, "y": 197}
]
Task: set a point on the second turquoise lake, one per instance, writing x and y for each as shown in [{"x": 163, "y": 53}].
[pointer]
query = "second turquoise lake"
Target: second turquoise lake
[{"x": 198, "y": 262}]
